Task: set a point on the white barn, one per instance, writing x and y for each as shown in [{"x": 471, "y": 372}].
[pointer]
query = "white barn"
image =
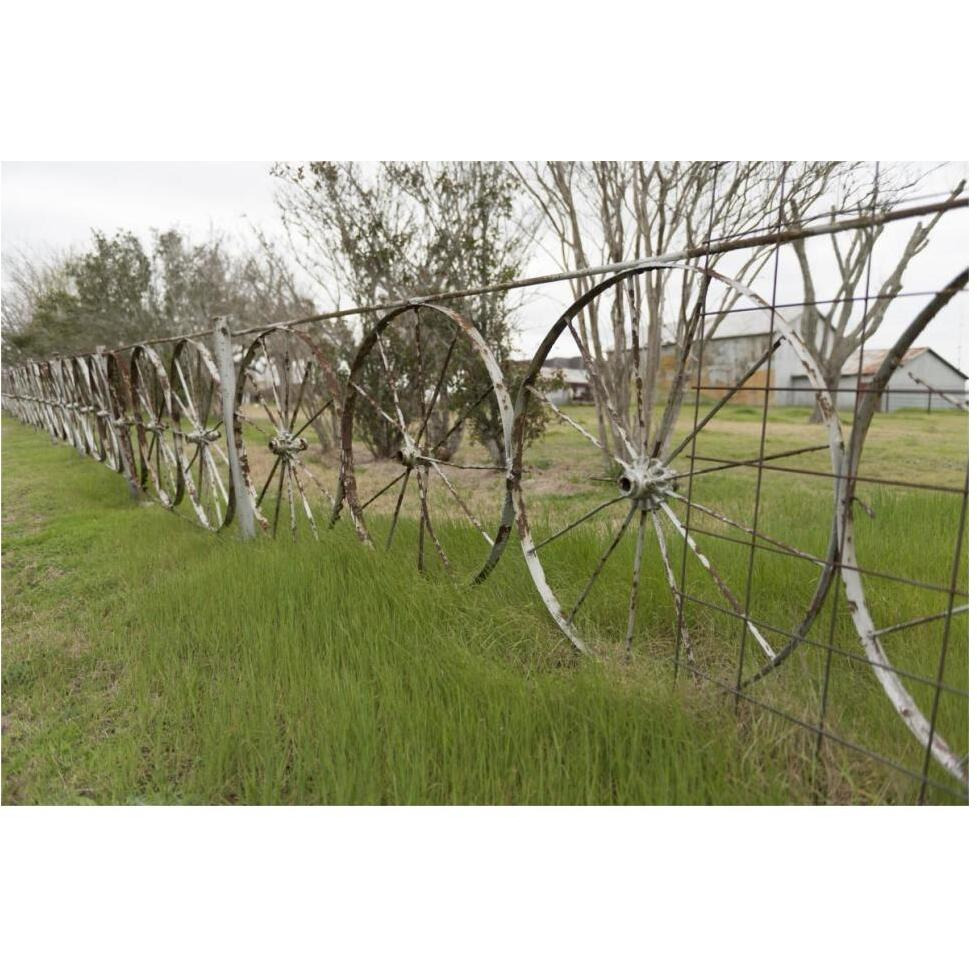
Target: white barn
[{"x": 923, "y": 379}]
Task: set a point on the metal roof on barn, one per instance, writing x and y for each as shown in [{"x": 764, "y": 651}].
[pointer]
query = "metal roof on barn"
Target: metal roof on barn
[{"x": 871, "y": 359}]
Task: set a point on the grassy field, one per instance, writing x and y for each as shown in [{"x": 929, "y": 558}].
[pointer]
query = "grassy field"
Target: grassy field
[{"x": 146, "y": 661}]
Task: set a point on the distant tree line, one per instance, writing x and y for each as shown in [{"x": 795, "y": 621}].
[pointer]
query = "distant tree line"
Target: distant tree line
[{"x": 117, "y": 291}]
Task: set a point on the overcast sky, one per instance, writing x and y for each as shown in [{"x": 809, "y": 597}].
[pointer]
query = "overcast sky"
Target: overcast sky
[{"x": 54, "y": 206}]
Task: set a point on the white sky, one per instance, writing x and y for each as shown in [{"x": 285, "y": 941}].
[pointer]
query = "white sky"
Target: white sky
[{"x": 54, "y": 206}]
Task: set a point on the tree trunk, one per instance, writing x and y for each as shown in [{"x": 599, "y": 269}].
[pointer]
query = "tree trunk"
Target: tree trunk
[{"x": 832, "y": 377}]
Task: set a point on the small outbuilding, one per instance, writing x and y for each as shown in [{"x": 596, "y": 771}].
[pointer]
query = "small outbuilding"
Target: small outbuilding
[
  {"x": 923, "y": 379},
  {"x": 567, "y": 385}
]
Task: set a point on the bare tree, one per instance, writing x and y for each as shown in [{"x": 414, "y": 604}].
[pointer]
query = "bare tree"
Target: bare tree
[
  {"x": 835, "y": 328},
  {"x": 607, "y": 212},
  {"x": 373, "y": 235},
  {"x": 117, "y": 291}
]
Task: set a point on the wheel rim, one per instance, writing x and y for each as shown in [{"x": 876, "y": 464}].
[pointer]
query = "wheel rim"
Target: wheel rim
[
  {"x": 152, "y": 406},
  {"x": 198, "y": 422},
  {"x": 286, "y": 393},
  {"x": 415, "y": 420}
]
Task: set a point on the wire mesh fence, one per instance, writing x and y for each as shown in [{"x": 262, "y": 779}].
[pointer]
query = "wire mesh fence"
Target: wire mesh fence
[{"x": 727, "y": 515}]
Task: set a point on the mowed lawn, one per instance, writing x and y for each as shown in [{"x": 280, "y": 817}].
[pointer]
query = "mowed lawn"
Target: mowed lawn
[{"x": 148, "y": 661}]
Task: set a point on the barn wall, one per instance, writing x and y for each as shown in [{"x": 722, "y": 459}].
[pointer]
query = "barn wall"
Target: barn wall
[
  {"x": 930, "y": 370},
  {"x": 927, "y": 367},
  {"x": 724, "y": 363}
]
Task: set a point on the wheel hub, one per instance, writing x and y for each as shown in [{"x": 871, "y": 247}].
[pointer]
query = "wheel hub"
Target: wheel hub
[
  {"x": 409, "y": 455},
  {"x": 285, "y": 444},
  {"x": 647, "y": 482},
  {"x": 201, "y": 436}
]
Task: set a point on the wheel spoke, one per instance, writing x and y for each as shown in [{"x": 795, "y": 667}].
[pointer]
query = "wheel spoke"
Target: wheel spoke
[
  {"x": 215, "y": 474},
  {"x": 377, "y": 407},
  {"x": 305, "y": 503},
  {"x": 461, "y": 420},
  {"x": 189, "y": 407},
  {"x": 605, "y": 556},
  {"x": 400, "y": 502},
  {"x": 598, "y": 381},
  {"x": 739, "y": 463},
  {"x": 300, "y": 394},
  {"x": 426, "y": 517},
  {"x": 672, "y": 586},
  {"x": 573, "y": 525},
  {"x": 636, "y": 378},
  {"x": 389, "y": 485},
  {"x": 569, "y": 420},
  {"x": 274, "y": 387},
  {"x": 461, "y": 502},
  {"x": 291, "y": 500},
  {"x": 437, "y": 387},
  {"x": 278, "y": 500},
  {"x": 635, "y": 581},
  {"x": 746, "y": 529},
  {"x": 455, "y": 464},
  {"x": 718, "y": 406},
  {"x": 721, "y": 584},
  {"x": 391, "y": 384},
  {"x": 942, "y": 616},
  {"x": 287, "y": 391},
  {"x": 271, "y": 475},
  {"x": 314, "y": 417},
  {"x": 298, "y": 463},
  {"x": 276, "y": 426}
]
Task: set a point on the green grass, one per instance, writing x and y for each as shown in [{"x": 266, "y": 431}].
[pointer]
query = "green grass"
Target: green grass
[{"x": 147, "y": 661}]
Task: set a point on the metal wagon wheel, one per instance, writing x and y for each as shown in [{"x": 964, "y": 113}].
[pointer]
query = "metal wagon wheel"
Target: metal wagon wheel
[
  {"x": 152, "y": 406},
  {"x": 50, "y": 397},
  {"x": 286, "y": 392},
  {"x": 86, "y": 406},
  {"x": 197, "y": 426},
  {"x": 422, "y": 379},
  {"x": 59, "y": 396},
  {"x": 118, "y": 389},
  {"x": 639, "y": 495},
  {"x": 18, "y": 397},
  {"x": 66, "y": 383},
  {"x": 110, "y": 418}
]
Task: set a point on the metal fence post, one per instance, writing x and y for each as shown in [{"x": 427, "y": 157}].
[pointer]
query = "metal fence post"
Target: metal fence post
[{"x": 224, "y": 354}]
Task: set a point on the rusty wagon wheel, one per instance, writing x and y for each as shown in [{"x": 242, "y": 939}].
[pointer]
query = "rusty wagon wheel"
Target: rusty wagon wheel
[
  {"x": 152, "y": 408},
  {"x": 50, "y": 395},
  {"x": 196, "y": 398},
  {"x": 73, "y": 408},
  {"x": 86, "y": 406},
  {"x": 427, "y": 415},
  {"x": 286, "y": 394},
  {"x": 636, "y": 496},
  {"x": 59, "y": 387},
  {"x": 19, "y": 398},
  {"x": 110, "y": 418}
]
